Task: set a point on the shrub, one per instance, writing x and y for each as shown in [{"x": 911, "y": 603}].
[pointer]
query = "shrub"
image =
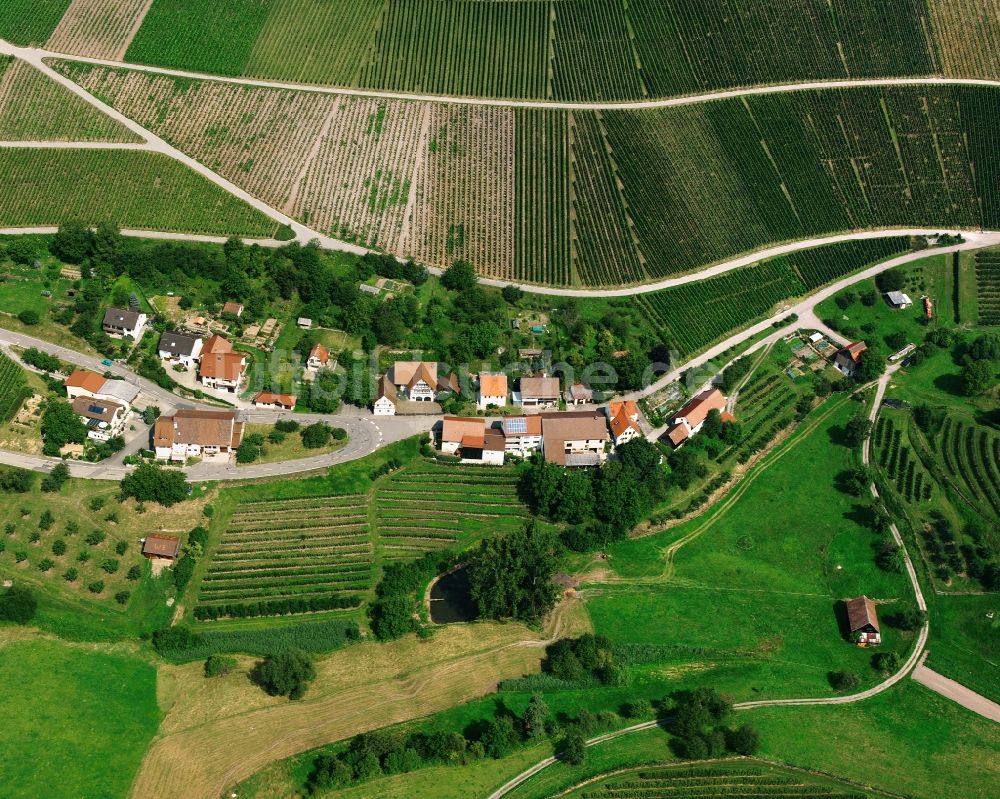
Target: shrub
[
  {"x": 886, "y": 662},
  {"x": 121, "y": 547},
  {"x": 96, "y": 537},
  {"x": 83, "y": 557},
  {"x": 72, "y": 528},
  {"x": 96, "y": 587},
  {"x": 744, "y": 740},
  {"x": 122, "y": 597},
  {"x": 219, "y": 665},
  {"x": 285, "y": 674},
  {"x": 152, "y": 483},
  {"x": 286, "y": 425},
  {"x": 35, "y": 537},
  {"x": 843, "y": 680},
  {"x": 17, "y": 481},
  {"x": 45, "y": 564},
  {"x": 29, "y": 316},
  {"x": 110, "y": 565},
  {"x": 70, "y": 575},
  {"x": 20, "y": 556},
  {"x": 18, "y": 604},
  {"x": 572, "y": 749},
  {"x": 46, "y": 519},
  {"x": 175, "y": 639},
  {"x": 134, "y": 573},
  {"x": 96, "y": 503},
  {"x": 316, "y": 435}
]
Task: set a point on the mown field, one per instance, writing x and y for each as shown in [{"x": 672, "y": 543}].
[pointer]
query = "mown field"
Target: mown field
[
  {"x": 562, "y": 49},
  {"x": 136, "y": 189},
  {"x": 77, "y": 720}
]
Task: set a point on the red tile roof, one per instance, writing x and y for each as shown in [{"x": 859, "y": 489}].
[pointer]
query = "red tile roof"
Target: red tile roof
[
  {"x": 861, "y": 612},
  {"x": 161, "y": 546},
  {"x": 223, "y": 366},
  {"x": 87, "y": 380},
  {"x": 696, "y": 411},
  {"x": 216, "y": 344},
  {"x": 270, "y": 398}
]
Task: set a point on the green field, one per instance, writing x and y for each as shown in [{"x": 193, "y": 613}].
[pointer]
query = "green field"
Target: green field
[
  {"x": 135, "y": 189},
  {"x": 30, "y": 22},
  {"x": 559, "y": 49},
  {"x": 36, "y": 108},
  {"x": 12, "y": 388},
  {"x": 77, "y": 721}
]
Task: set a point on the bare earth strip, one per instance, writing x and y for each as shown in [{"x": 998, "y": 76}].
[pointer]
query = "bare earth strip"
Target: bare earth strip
[
  {"x": 220, "y": 732},
  {"x": 99, "y": 28}
]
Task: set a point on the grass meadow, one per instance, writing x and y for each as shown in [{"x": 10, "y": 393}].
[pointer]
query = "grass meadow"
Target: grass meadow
[{"x": 76, "y": 721}]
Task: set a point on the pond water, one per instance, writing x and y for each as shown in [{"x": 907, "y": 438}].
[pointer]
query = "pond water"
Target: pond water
[{"x": 450, "y": 600}]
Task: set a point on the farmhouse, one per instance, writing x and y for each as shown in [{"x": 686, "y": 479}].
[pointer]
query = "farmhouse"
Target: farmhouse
[
  {"x": 119, "y": 323},
  {"x": 522, "y": 434},
  {"x": 847, "y": 359},
  {"x": 623, "y": 418},
  {"x": 221, "y": 368},
  {"x": 268, "y": 400},
  {"x": 157, "y": 545},
  {"x": 196, "y": 433},
  {"x": 231, "y": 308},
  {"x": 319, "y": 358},
  {"x": 469, "y": 438},
  {"x": 539, "y": 391},
  {"x": 863, "y": 621},
  {"x": 690, "y": 419},
  {"x": 575, "y": 438},
  {"x": 419, "y": 381},
  {"x": 385, "y": 398},
  {"x": 104, "y": 419},
  {"x": 182, "y": 348},
  {"x": 492, "y": 390},
  {"x": 578, "y": 394},
  {"x": 898, "y": 299}
]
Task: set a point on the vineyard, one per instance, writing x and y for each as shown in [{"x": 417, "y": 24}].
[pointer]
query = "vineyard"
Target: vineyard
[
  {"x": 13, "y": 388},
  {"x": 988, "y": 287},
  {"x": 563, "y": 49},
  {"x": 896, "y": 458},
  {"x": 136, "y": 189},
  {"x": 692, "y": 316},
  {"x": 291, "y": 549},
  {"x": 98, "y": 28},
  {"x": 30, "y": 22},
  {"x": 971, "y": 455},
  {"x": 431, "y": 506},
  {"x": 35, "y": 108},
  {"x": 720, "y": 782}
]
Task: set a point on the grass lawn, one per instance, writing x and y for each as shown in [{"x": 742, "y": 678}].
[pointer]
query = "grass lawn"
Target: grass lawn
[
  {"x": 76, "y": 721},
  {"x": 965, "y": 642},
  {"x": 289, "y": 449},
  {"x": 758, "y": 582}
]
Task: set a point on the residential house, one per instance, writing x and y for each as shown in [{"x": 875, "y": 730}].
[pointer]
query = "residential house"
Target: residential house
[
  {"x": 522, "y": 434},
  {"x": 578, "y": 394},
  {"x": 157, "y": 545},
  {"x": 539, "y": 391},
  {"x": 898, "y": 300},
  {"x": 121, "y": 322},
  {"x": 83, "y": 383},
  {"x": 468, "y": 437},
  {"x": 268, "y": 400},
  {"x": 574, "y": 438},
  {"x": 863, "y": 621},
  {"x": 492, "y": 390},
  {"x": 690, "y": 419},
  {"x": 419, "y": 381},
  {"x": 196, "y": 433},
  {"x": 220, "y": 367},
  {"x": 623, "y": 418},
  {"x": 230, "y": 308},
  {"x": 104, "y": 419},
  {"x": 385, "y": 398},
  {"x": 847, "y": 359},
  {"x": 319, "y": 358},
  {"x": 182, "y": 348}
]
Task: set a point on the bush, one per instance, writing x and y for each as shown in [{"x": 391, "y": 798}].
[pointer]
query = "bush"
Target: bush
[
  {"x": 96, "y": 587},
  {"x": 744, "y": 740},
  {"x": 46, "y": 519},
  {"x": 134, "y": 573},
  {"x": 45, "y": 564},
  {"x": 70, "y": 575},
  {"x": 285, "y": 674},
  {"x": 886, "y": 662},
  {"x": 175, "y": 639},
  {"x": 96, "y": 503},
  {"x": 110, "y": 565},
  {"x": 121, "y": 547},
  {"x": 55, "y": 479},
  {"x": 219, "y": 665},
  {"x": 122, "y": 597},
  {"x": 29, "y": 316},
  {"x": 18, "y": 604},
  {"x": 96, "y": 537},
  {"x": 17, "y": 481},
  {"x": 58, "y": 547},
  {"x": 843, "y": 680},
  {"x": 286, "y": 425},
  {"x": 316, "y": 435},
  {"x": 572, "y": 749}
]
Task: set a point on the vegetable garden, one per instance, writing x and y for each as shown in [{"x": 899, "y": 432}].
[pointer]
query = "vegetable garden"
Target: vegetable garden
[
  {"x": 291, "y": 549},
  {"x": 431, "y": 506},
  {"x": 988, "y": 287}
]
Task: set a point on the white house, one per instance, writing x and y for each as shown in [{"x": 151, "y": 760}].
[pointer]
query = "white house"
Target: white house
[
  {"x": 539, "y": 391},
  {"x": 492, "y": 390},
  {"x": 104, "y": 419},
  {"x": 385, "y": 398},
  {"x": 121, "y": 322},
  {"x": 574, "y": 438},
  {"x": 623, "y": 418},
  {"x": 269, "y": 400},
  {"x": 319, "y": 358},
  {"x": 522, "y": 434},
  {"x": 83, "y": 383},
  {"x": 220, "y": 367},
  {"x": 195, "y": 434},
  {"x": 182, "y": 348},
  {"x": 468, "y": 437},
  {"x": 691, "y": 418},
  {"x": 898, "y": 300},
  {"x": 418, "y": 380}
]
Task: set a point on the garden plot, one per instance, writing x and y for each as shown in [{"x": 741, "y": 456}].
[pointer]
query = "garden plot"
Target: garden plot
[
  {"x": 258, "y": 138},
  {"x": 465, "y": 202},
  {"x": 291, "y": 549},
  {"x": 432, "y": 506},
  {"x": 98, "y": 28}
]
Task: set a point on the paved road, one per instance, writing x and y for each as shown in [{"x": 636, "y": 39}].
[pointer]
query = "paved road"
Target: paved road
[
  {"x": 956, "y": 692},
  {"x": 669, "y": 102}
]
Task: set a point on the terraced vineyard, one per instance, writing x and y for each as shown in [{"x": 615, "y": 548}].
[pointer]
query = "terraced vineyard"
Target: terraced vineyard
[
  {"x": 988, "y": 287},
  {"x": 894, "y": 454},
  {"x": 136, "y": 189},
  {"x": 971, "y": 455},
  {"x": 13, "y": 388},
  {"x": 35, "y": 108},
  {"x": 431, "y": 506},
  {"x": 723, "y": 782},
  {"x": 290, "y": 549},
  {"x": 692, "y": 316}
]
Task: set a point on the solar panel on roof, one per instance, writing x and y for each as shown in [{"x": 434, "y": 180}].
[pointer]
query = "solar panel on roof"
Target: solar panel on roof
[
  {"x": 519, "y": 425},
  {"x": 96, "y": 409}
]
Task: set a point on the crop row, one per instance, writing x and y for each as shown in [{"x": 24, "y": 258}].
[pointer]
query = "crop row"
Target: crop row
[
  {"x": 12, "y": 388},
  {"x": 988, "y": 288}
]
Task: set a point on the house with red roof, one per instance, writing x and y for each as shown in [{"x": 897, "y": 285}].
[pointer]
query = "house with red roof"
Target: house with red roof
[{"x": 691, "y": 418}]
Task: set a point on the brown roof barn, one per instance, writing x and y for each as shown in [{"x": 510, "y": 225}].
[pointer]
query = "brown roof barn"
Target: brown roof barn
[
  {"x": 863, "y": 620},
  {"x": 161, "y": 546}
]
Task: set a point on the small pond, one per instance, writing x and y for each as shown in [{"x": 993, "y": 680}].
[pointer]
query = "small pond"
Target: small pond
[{"x": 450, "y": 600}]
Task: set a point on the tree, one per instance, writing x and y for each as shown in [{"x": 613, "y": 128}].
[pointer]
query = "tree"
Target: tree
[
  {"x": 893, "y": 280},
  {"x": 315, "y": 435},
  {"x": 499, "y": 737},
  {"x": 535, "y": 716},
  {"x": 285, "y": 674},
  {"x": 843, "y": 680},
  {"x": 510, "y": 576},
  {"x": 18, "y": 604},
  {"x": 886, "y": 662},
  {"x": 152, "y": 483},
  {"x": 219, "y": 665},
  {"x": 576, "y": 497},
  {"x": 55, "y": 479},
  {"x": 985, "y": 347},
  {"x": 870, "y": 366},
  {"x": 856, "y": 431},
  {"x": 978, "y": 377},
  {"x": 908, "y": 617},
  {"x": 744, "y": 740},
  {"x": 572, "y": 748},
  {"x": 15, "y": 480},
  {"x": 61, "y": 426},
  {"x": 29, "y": 316},
  {"x": 72, "y": 242},
  {"x": 512, "y": 294},
  {"x": 392, "y": 617},
  {"x": 460, "y": 276},
  {"x": 251, "y": 448}
]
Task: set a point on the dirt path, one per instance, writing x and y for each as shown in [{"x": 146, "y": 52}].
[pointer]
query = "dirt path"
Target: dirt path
[{"x": 956, "y": 692}]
